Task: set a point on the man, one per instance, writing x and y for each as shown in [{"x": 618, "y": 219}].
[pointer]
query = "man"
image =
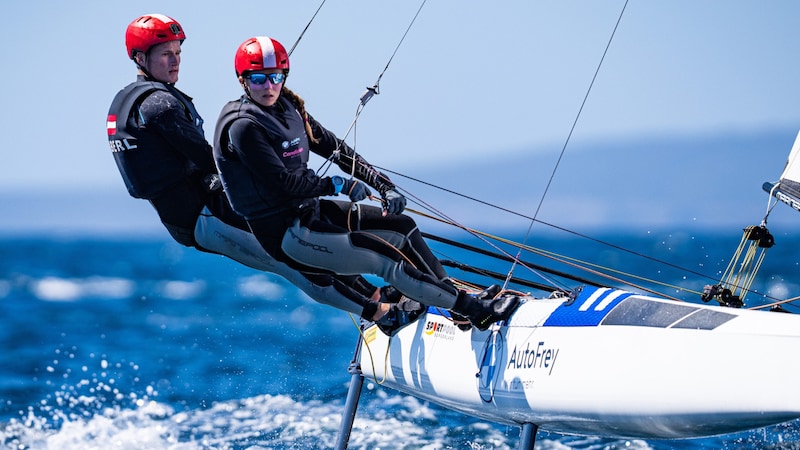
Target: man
[{"x": 157, "y": 140}]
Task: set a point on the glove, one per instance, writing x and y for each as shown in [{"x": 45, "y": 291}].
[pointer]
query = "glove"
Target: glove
[
  {"x": 393, "y": 202},
  {"x": 356, "y": 190}
]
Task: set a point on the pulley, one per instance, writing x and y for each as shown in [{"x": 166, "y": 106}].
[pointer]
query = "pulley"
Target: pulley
[{"x": 742, "y": 269}]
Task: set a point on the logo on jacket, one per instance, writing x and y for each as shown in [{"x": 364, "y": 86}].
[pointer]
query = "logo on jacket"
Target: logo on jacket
[
  {"x": 292, "y": 143},
  {"x": 118, "y": 145}
]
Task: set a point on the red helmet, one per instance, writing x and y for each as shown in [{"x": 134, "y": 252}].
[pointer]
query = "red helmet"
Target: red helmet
[
  {"x": 149, "y": 30},
  {"x": 259, "y": 53}
]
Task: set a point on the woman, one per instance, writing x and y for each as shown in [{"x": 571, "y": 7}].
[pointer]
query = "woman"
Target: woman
[
  {"x": 158, "y": 143},
  {"x": 261, "y": 147}
]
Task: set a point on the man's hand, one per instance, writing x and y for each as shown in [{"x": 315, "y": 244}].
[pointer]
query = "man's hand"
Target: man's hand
[{"x": 394, "y": 202}]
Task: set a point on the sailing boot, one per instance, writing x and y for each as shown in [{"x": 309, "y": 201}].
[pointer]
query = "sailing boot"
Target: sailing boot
[
  {"x": 399, "y": 315},
  {"x": 389, "y": 294},
  {"x": 482, "y": 313},
  {"x": 488, "y": 293},
  {"x": 462, "y": 322}
]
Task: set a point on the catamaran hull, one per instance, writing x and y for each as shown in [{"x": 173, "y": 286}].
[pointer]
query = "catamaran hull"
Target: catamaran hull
[{"x": 608, "y": 363}]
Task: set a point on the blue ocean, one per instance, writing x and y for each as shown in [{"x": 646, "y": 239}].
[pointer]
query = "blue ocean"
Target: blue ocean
[{"x": 138, "y": 343}]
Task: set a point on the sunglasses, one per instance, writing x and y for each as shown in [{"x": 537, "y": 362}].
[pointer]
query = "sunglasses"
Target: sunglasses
[{"x": 261, "y": 78}]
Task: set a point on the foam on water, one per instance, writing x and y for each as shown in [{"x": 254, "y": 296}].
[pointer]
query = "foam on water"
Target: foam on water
[
  {"x": 95, "y": 413},
  {"x": 59, "y": 289},
  {"x": 182, "y": 290},
  {"x": 260, "y": 286},
  {"x": 83, "y": 422},
  {"x": 63, "y": 289},
  {"x": 230, "y": 358}
]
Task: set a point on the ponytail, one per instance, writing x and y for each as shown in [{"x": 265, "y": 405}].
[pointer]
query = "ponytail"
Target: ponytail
[{"x": 300, "y": 104}]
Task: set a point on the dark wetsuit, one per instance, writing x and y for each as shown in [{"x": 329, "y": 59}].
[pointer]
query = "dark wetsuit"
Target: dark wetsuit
[
  {"x": 158, "y": 143},
  {"x": 160, "y": 149},
  {"x": 262, "y": 154}
]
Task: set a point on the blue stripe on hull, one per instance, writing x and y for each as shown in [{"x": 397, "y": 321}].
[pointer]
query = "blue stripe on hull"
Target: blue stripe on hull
[{"x": 589, "y": 309}]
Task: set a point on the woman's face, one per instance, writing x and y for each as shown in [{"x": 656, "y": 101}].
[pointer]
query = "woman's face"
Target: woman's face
[
  {"x": 162, "y": 61},
  {"x": 265, "y": 85}
]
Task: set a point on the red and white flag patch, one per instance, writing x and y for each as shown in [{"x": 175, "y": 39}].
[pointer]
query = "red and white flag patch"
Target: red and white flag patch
[{"x": 111, "y": 124}]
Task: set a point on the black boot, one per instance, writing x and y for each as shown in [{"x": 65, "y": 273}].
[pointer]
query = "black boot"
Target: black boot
[
  {"x": 462, "y": 322},
  {"x": 484, "y": 312},
  {"x": 399, "y": 315},
  {"x": 488, "y": 293},
  {"x": 389, "y": 294}
]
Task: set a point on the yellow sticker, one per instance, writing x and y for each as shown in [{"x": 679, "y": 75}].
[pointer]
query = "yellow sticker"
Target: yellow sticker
[{"x": 370, "y": 334}]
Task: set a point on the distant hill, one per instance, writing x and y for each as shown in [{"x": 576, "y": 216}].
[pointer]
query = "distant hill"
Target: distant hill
[
  {"x": 688, "y": 181},
  {"x": 707, "y": 181}
]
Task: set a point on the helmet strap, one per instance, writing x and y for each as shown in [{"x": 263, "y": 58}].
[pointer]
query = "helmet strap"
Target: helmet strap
[{"x": 245, "y": 87}]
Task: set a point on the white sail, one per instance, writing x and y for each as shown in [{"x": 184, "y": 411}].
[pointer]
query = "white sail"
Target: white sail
[{"x": 787, "y": 189}]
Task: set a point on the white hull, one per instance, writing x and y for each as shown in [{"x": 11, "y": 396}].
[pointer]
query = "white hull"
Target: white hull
[{"x": 610, "y": 364}]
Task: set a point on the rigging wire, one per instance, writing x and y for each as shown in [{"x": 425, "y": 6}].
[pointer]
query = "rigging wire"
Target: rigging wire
[
  {"x": 375, "y": 90},
  {"x": 566, "y": 260},
  {"x": 770, "y": 205},
  {"x": 370, "y": 92},
  {"x": 582, "y": 265},
  {"x": 306, "y": 28},
  {"x": 566, "y": 142},
  {"x": 566, "y": 230}
]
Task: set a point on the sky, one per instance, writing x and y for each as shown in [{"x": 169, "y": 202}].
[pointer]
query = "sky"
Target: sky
[{"x": 472, "y": 82}]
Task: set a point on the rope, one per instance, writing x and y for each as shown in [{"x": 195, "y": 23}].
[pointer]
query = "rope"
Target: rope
[
  {"x": 779, "y": 302},
  {"x": 572, "y": 262},
  {"x": 372, "y": 358},
  {"x": 569, "y": 135},
  {"x": 375, "y": 89},
  {"x": 547, "y": 224}
]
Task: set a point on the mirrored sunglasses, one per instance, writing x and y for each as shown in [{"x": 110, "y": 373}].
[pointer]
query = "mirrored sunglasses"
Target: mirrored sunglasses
[{"x": 261, "y": 78}]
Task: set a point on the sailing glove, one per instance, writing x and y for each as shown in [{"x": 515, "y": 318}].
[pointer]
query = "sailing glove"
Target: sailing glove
[
  {"x": 356, "y": 190},
  {"x": 394, "y": 202}
]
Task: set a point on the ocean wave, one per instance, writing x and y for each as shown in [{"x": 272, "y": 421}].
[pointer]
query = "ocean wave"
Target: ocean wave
[
  {"x": 73, "y": 289},
  {"x": 182, "y": 290},
  {"x": 260, "y": 422},
  {"x": 61, "y": 289},
  {"x": 260, "y": 286}
]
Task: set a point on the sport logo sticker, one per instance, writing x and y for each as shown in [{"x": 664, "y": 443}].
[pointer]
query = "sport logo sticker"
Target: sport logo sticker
[{"x": 440, "y": 330}]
